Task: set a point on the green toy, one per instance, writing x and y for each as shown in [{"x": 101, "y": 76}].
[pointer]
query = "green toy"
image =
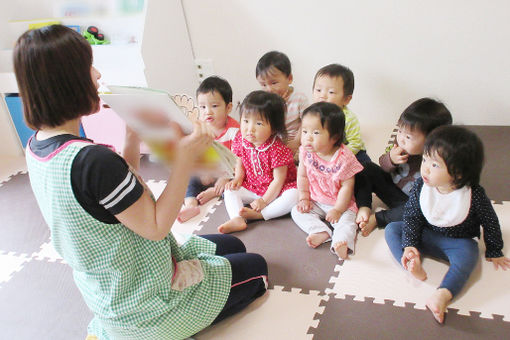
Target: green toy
[{"x": 94, "y": 37}]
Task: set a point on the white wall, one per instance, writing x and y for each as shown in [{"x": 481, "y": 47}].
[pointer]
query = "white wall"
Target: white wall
[{"x": 456, "y": 50}]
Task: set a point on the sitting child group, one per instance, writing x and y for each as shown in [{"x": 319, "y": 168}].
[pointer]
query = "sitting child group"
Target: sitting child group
[
  {"x": 428, "y": 177},
  {"x": 306, "y": 160}
]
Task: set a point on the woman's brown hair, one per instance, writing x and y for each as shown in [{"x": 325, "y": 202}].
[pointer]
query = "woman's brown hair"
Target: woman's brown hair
[{"x": 53, "y": 70}]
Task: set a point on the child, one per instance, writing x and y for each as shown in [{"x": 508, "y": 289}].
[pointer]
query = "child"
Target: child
[
  {"x": 444, "y": 213},
  {"x": 326, "y": 180},
  {"x": 138, "y": 282},
  {"x": 214, "y": 97},
  {"x": 400, "y": 165},
  {"x": 274, "y": 75},
  {"x": 334, "y": 83},
  {"x": 265, "y": 173}
]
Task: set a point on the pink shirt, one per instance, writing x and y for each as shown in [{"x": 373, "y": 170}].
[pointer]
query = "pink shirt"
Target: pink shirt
[
  {"x": 325, "y": 177},
  {"x": 259, "y": 163},
  {"x": 231, "y": 129}
]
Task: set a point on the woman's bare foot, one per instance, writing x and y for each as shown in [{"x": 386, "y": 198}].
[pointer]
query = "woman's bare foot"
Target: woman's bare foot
[
  {"x": 341, "y": 249},
  {"x": 250, "y": 214},
  {"x": 369, "y": 226},
  {"x": 415, "y": 268},
  {"x": 437, "y": 303},
  {"x": 187, "y": 213},
  {"x": 236, "y": 224},
  {"x": 315, "y": 240},
  {"x": 206, "y": 195}
]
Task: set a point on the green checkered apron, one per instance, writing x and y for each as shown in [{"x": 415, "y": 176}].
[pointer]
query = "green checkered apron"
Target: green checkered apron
[{"x": 125, "y": 279}]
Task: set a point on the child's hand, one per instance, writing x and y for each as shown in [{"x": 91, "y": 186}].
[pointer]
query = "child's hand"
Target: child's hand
[
  {"x": 503, "y": 262},
  {"x": 258, "y": 204},
  {"x": 398, "y": 155},
  {"x": 234, "y": 184},
  {"x": 206, "y": 179},
  {"x": 304, "y": 205},
  {"x": 333, "y": 215},
  {"x": 219, "y": 187},
  {"x": 409, "y": 253}
]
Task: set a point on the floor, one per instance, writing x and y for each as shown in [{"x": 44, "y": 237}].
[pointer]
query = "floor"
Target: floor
[{"x": 317, "y": 298}]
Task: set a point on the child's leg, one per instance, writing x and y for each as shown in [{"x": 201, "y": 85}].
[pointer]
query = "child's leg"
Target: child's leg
[
  {"x": 226, "y": 244},
  {"x": 249, "y": 281},
  {"x": 384, "y": 217},
  {"x": 312, "y": 224},
  {"x": 282, "y": 205},
  {"x": 190, "y": 208},
  {"x": 344, "y": 234},
  {"x": 234, "y": 200}
]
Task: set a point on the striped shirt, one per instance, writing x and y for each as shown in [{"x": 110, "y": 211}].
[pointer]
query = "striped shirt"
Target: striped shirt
[
  {"x": 296, "y": 104},
  {"x": 352, "y": 132},
  {"x": 226, "y": 137}
]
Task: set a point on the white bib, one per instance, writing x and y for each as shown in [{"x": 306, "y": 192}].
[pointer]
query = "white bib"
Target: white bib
[{"x": 445, "y": 210}]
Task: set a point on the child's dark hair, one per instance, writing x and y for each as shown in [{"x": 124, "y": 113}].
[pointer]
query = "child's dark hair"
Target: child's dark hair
[
  {"x": 332, "y": 118},
  {"x": 272, "y": 59},
  {"x": 271, "y": 108},
  {"x": 216, "y": 84},
  {"x": 53, "y": 70},
  {"x": 425, "y": 115},
  {"x": 335, "y": 71},
  {"x": 461, "y": 150}
]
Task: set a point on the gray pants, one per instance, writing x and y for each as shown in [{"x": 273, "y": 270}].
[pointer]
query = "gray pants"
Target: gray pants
[{"x": 313, "y": 222}]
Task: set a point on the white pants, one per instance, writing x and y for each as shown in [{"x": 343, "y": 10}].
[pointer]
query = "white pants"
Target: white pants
[
  {"x": 235, "y": 200},
  {"x": 312, "y": 223}
]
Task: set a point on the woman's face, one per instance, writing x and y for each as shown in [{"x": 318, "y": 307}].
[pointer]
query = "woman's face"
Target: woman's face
[{"x": 95, "y": 74}]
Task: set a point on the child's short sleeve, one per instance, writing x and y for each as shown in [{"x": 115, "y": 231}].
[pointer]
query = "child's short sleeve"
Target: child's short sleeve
[
  {"x": 349, "y": 166},
  {"x": 280, "y": 155},
  {"x": 237, "y": 144}
]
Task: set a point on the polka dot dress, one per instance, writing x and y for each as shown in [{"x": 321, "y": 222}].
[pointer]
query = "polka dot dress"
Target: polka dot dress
[{"x": 259, "y": 163}]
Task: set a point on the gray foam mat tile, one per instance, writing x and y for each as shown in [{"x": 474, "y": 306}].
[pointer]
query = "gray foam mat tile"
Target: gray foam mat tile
[
  {"x": 23, "y": 228},
  {"x": 292, "y": 264},
  {"x": 42, "y": 302}
]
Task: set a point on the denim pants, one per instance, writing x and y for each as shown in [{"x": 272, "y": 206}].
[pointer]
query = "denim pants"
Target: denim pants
[{"x": 461, "y": 253}]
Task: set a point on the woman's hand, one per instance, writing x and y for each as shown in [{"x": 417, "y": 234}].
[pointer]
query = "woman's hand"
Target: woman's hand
[
  {"x": 191, "y": 147},
  {"x": 503, "y": 262}
]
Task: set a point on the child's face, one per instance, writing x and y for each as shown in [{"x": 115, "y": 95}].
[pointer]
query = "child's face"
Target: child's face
[
  {"x": 95, "y": 75},
  {"x": 411, "y": 141},
  {"x": 315, "y": 137},
  {"x": 331, "y": 90},
  {"x": 255, "y": 129},
  {"x": 435, "y": 173},
  {"x": 213, "y": 109},
  {"x": 275, "y": 81}
]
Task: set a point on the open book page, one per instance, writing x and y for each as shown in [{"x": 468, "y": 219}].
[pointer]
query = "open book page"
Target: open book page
[{"x": 151, "y": 113}]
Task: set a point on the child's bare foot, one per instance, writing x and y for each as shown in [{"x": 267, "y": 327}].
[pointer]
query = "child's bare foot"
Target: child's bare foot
[
  {"x": 206, "y": 195},
  {"x": 235, "y": 224},
  {"x": 187, "y": 213},
  {"x": 415, "y": 268},
  {"x": 341, "y": 249},
  {"x": 250, "y": 214},
  {"x": 315, "y": 240},
  {"x": 362, "y": 216},
  {"x": 369, "y": 226},
  {"x": 437, "y": 303}
]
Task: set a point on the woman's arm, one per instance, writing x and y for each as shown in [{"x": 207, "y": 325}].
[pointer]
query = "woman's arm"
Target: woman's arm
[
  {"x": 131, "y": 151},
  {"x": 153, "y": 220},
  {"x": 343, "y": 199}
]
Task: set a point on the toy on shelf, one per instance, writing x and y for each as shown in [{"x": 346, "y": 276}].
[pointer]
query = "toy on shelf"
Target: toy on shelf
[{"x": 94, "y": 37}]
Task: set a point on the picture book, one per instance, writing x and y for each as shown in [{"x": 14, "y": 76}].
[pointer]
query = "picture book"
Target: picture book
[{"x": 151, "y": 113}]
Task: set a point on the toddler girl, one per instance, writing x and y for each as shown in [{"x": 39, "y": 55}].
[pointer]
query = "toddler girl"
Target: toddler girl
[
  {"x": 444, "y": 213},
  {"x": 265, "y": 174},
  {"x": 326, "y": 180}
]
